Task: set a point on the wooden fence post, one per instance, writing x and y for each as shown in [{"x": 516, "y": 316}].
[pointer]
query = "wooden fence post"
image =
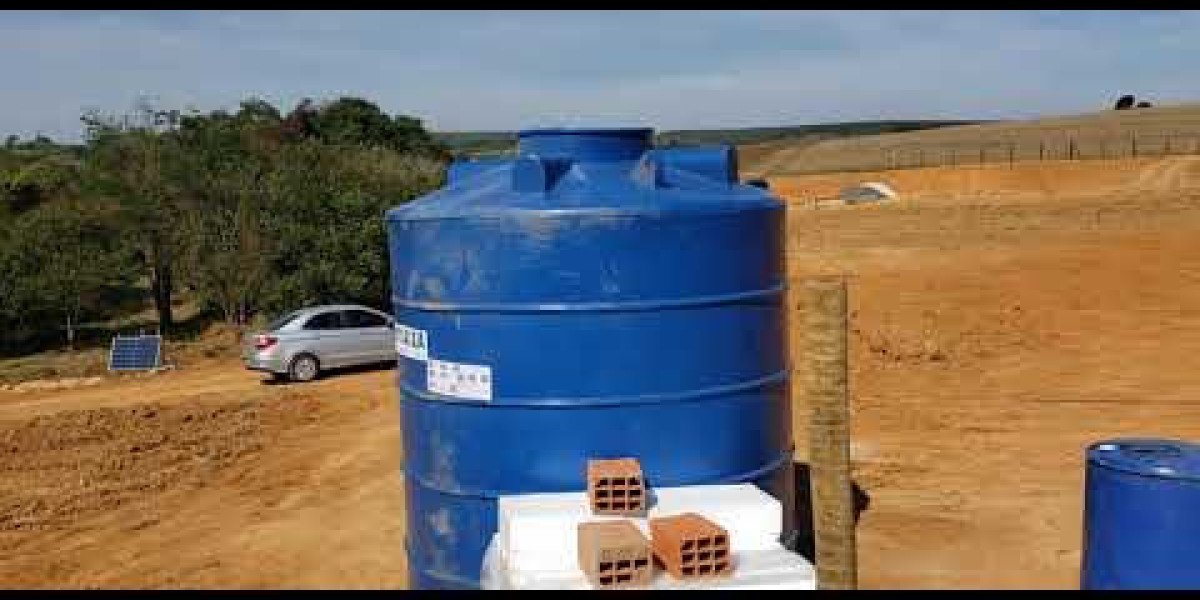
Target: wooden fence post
[
  {"x": 1012, "y": 149},
  {"x": 1167, "y": 148},
  {"x": 1133, "y": 145},
  {"x": 829, "y": 435},
  {"x": 1041, "y": 149},
  {"x": 1071, "y": 149},
  {"x": 981, "y": 150}
]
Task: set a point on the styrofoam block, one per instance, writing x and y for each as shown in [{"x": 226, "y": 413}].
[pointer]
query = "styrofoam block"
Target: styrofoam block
[
  {"x": 539, "y": 532},
  {"x": 753, "y": 518},
  {"x": 774, "y": 568}
]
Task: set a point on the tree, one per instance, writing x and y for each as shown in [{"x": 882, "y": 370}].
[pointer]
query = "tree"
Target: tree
[
  {"x": 245, "y": 210},
  {"x": 324, "y": 218},
  {"x": 223, "y": 174},
  {"x": 351, "y": 121},
  {"x": 1124, "y": 102},
  {"x": 300, "y": 124},
  {"x": 35, "y": 179},
  {"x": 125, "y": 161},
  {"x": 63, "y": 255}
]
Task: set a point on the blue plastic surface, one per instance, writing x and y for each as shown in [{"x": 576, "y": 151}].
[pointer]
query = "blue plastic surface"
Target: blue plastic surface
[
  {"x": 135, "y": 353},
  {"x": 461, "y": 170},
  {"x": 717, "y": 161},
  {"x": 624, "y": 307},
  {"x": 1142, "y": 515}
]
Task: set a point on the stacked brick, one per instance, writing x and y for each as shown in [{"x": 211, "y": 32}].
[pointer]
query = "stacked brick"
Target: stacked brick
[
  {"x": 614, "y": 554},
  {"x": 690, "y": 546},
  {"x": 616, "y": 487}
]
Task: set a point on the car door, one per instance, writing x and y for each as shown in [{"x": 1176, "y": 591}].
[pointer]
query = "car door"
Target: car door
[
  {"x": 371, "y": 336},
  {"x": 329, "y": 340}
]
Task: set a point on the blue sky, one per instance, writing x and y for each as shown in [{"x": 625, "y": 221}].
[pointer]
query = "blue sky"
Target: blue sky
[{"x": 465, "y": 70}]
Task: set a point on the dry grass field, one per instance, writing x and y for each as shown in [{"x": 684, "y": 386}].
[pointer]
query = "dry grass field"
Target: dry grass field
[
  {"x": 1108, "y": 134},
  {"x": 1002, "y": 318}
]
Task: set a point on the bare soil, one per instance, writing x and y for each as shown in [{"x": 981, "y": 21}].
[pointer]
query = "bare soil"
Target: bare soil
[
  {"x": 993, "y": 337},
  {"x": 203, "y": 478}
]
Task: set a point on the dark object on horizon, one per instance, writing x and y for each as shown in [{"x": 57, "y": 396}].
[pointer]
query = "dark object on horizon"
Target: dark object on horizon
[
  {"x": 1124, "y": 102},
  {"x": 758, "y": 183},
  {"x": 1144, "y": 104}
]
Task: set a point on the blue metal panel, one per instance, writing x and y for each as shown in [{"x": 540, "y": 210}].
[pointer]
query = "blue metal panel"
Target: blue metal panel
[
  {"x": 1142, "y": 515},
  {"x": 135, "y": 353},
  {"x": 615, "y": 305}
]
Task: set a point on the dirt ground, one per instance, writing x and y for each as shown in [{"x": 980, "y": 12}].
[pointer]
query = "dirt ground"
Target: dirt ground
[
  {"x": 993, "y": 337},
  {"x": 997, "y": 328},
  {"x": 203, "y": 478}
]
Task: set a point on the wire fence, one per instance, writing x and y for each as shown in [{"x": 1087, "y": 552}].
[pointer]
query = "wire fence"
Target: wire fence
[{"x": 1059, "y": 148}]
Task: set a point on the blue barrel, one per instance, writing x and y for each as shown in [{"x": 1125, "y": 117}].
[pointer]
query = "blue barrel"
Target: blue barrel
[
  {"x": 1142, "y": 515},
  {"x": 584, "y": 299}
]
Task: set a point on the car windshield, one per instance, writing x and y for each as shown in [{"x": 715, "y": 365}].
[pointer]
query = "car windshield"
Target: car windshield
[{"x": 278, "y": 324}]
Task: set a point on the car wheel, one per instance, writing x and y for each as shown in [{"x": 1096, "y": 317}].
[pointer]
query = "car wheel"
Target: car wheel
[{"x": 304, "y": 368}]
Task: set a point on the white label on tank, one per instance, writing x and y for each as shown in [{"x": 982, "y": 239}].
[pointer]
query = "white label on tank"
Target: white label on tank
[
  {"x": 412, "y": 343},
  {"x": 473, "y": 382}
]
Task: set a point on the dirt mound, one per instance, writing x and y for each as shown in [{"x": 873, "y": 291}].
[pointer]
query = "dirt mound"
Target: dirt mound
[
  {"x": 65, "y": 383},
  {"x": 62, "y": 467}
]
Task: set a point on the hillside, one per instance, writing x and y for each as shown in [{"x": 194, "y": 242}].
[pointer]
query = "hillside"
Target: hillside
[
  {"x": 1109, "y": 134},
  {"x": 494, "y": 142}
]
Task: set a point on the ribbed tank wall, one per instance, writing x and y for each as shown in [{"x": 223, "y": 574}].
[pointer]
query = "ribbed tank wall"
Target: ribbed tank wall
[{"x": 610, "y": 314}]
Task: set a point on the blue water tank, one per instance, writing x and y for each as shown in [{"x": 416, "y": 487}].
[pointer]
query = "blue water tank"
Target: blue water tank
[
  {"x": 1142, "y": 515},
  {"x": 591, "y": 297}
]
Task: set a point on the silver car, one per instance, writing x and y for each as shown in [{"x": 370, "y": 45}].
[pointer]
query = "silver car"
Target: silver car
[{"x": 303, "y": 343}]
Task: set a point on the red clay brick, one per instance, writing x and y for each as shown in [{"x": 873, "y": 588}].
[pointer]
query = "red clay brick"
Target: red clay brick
[
  {"x": 690, "y": 546},
  {"x": 616, "y": 487},
  {"x": 614, "y": 554}
]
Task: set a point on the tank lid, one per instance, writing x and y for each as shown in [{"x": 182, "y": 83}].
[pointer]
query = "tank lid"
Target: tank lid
[
  {"x": 586, "y": 144},
  {"x": 1168, "y": 459}
]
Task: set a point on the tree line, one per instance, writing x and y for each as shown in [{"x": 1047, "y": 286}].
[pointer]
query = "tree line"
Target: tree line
[{"x": 243, "y": 212}]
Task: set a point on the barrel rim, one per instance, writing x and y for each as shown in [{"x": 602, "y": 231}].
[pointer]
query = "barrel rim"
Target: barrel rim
[
  {"x": 1108, "y": 454},
  {"x": 613, "y": 131},
  {"x": 398, "y": 213}
]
